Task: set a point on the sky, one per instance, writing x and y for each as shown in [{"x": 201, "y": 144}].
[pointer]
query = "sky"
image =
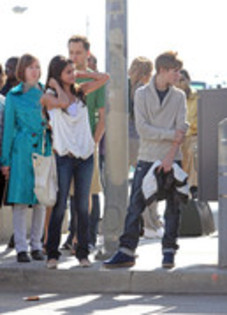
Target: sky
[{"x": 196, "y": 29}]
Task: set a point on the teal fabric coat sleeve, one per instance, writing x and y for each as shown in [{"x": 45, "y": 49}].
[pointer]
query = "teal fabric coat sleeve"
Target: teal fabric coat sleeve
[
  {"x": 9, "y": 130},
  {"x": 2, "y": 105}
]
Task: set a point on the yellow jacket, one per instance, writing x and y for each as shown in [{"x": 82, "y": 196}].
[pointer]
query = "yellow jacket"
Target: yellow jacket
[{"x": 192, "y": 113}]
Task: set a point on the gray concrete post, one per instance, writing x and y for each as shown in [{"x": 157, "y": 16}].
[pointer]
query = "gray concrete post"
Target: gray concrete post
[
  {"x": 116, "y": 124},
  {"x": 222, "y": 192}
]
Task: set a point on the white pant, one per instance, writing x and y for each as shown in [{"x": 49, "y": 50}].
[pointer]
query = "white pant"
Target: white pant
[{"x": 20, "y": 227}]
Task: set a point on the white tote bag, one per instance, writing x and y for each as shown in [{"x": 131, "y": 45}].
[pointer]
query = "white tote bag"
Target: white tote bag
[{"x": 45, "y": 173}]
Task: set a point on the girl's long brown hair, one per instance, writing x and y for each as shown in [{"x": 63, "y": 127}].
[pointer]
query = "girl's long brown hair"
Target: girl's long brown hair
[{"x": 56, "y": 66}]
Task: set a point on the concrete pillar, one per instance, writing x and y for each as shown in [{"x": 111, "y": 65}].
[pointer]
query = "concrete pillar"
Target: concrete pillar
[
  {"x": 222, "y": 192},
  {"x": 116, "y": 124}
]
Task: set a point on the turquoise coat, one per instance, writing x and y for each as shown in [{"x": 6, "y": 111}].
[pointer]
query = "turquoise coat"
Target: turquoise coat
[{"x": 22, "y": 136}]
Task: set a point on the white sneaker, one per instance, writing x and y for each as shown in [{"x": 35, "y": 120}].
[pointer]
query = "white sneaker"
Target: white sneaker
[
  {"x": 160, "y": 232},
  {"x": 85, "y": 263},
  {"x": 150, "y": 233},
  {"x": 52, "y": 263}
]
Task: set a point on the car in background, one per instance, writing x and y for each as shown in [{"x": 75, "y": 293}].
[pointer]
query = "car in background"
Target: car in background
[{"x": 199, "y": 85}]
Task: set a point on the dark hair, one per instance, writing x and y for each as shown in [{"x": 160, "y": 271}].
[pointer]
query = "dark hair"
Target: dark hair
[
  {"x": 10, "y": 67},
  {"x": 185, "y": 74},
  {"x": 56, "y": 66},
  {"x": 82, "y": 39},
  {"x": 2, "y": 77},
  {"x": 13, "y": 60},
  {"x": 24, "y": 61},
  {"x": 92, "y": 61},
  {"x": 1, "y": 70},
  {"x": 93, "y": 58}
]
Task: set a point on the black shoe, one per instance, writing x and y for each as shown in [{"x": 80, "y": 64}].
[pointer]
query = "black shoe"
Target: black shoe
[
  {"x": 11, "y": 243},
  {"x": 37, "y": 255},
  {"x": 23, "y": 257},
  {"x": 194, "y": 192}
]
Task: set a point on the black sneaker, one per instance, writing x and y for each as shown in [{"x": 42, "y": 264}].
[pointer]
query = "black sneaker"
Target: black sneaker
[
  {"x": 194, "y": 192},
  {"x": 37, "y": 255},
  {"x": 23, "y": 257},
  {"x": 119, "y": 260},
  {"x": 168, "y": 260}
]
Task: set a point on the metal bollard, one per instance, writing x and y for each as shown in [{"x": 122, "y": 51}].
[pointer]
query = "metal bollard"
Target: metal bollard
[{"x": 222, "y": 192}]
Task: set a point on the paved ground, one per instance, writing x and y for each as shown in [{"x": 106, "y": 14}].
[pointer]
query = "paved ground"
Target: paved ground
[{"x": 112, "y": 304}]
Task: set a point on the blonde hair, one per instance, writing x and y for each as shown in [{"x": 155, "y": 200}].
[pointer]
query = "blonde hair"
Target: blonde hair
[{"x": 140, "y": 67}]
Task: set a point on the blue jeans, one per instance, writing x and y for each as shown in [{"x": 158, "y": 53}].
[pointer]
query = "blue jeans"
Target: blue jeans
[
  {"x": 81, "y": 170},
  {"x": 131, "y": 234},
  {"x": 94, "y": 215}
]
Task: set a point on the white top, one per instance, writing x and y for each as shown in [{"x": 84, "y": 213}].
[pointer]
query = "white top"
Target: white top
[
  {"x": 71, "y": 131},
  {"x": 72, "y": 110}
]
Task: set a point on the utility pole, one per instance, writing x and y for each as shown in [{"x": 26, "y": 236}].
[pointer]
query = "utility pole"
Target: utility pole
[
  {"x": 116, "y": 192},
  {"x": 222, "y": 193}
]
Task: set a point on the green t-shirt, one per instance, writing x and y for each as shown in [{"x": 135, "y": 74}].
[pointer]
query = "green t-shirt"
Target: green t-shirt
[{"x": 94, "y": 101}]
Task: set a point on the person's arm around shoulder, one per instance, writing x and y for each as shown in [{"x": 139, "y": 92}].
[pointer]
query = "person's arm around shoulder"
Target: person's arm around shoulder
[
  {"x": 98, "y": 80},
  {"x": 51, "y": 101}
]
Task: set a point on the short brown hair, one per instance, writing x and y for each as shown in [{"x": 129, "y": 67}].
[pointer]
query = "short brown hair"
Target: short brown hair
[
  {"x": 25, "y": 61},
  {"x": 80, "y": 38},
  {"x": 168, "y": 60}
]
